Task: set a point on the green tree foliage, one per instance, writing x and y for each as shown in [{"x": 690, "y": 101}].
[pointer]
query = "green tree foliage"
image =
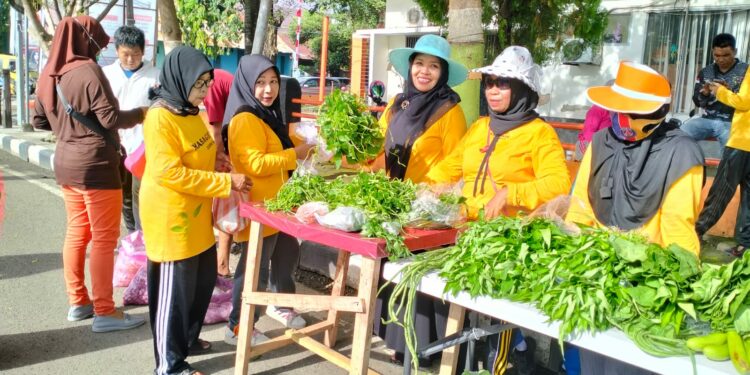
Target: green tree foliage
[
  {"x": 539, "y": 25},
  {"x": 4, "y": 26},
  {"x": 210, "y": 25},
  {"x": 346, "y": 16}
]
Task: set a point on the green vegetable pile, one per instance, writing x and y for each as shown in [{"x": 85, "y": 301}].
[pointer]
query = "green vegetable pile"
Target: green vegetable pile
[
  {"x": 384, "y": 202},
  {"x": 348, "y": 129},
  {"x": 591, "y": 281}
]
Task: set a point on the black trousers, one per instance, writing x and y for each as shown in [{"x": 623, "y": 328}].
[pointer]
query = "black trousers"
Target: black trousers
[
  {"x": 178, "y": 296},
  {"x": 279, "y": 260},
  {"x": 130, "y": 188},
  {"x": 733, "y": 170}
]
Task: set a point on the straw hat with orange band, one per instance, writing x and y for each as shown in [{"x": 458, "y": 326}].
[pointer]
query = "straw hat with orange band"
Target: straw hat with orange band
[
  {"x": 639, "y": 100},
  {"x": 634, "y": 164}
]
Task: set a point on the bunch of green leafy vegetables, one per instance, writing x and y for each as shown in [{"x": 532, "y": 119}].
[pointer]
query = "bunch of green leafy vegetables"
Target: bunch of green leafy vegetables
[
  {"x": 348, "y": 129},
  {"x": 590, "y": 281},
  {"x": 384, "y": 202}
]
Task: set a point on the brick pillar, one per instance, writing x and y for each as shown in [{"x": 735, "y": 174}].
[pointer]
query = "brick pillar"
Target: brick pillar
[{"x": 359, "y": 65}]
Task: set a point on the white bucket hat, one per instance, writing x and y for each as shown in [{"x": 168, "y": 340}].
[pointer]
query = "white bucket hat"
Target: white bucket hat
[{"x": 515, "y": 62}]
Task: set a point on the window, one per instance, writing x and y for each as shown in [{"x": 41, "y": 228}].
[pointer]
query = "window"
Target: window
[
  {"x": 681, "y": 58},
  {"x": 411, "y": 40},
  {"x": 311, "y": 83}
]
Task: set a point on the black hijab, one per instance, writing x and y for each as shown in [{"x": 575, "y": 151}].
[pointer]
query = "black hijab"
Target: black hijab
[
  {"x": 629, "y": 180},
  {"x": 409, "y": 116},
  {"x": 521, "y": 110},
  {"x": 242, "y": 97},
  {"x": 182, "y": 68}
]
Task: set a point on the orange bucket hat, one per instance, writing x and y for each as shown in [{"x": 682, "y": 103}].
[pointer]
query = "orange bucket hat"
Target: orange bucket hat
[{"x": 637, "y": 89}]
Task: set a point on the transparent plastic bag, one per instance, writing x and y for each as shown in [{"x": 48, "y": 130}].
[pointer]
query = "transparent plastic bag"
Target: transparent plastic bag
[
  {"x": 437, "y": 207},
  {"x": 556, "y": 210},
  {"x": 226, "y": 213},
  {"x": 307, "y": 131},
  {"x": 306, "y": 212},
  {"x": 348, "y": 219}
]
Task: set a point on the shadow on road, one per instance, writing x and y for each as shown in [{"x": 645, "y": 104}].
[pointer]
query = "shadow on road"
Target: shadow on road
[
  {"x": 29, "y": 348},
  {"x": 12, "y": 266}
]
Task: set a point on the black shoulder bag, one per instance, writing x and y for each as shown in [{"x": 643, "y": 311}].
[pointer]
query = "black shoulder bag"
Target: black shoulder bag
[{"x": 95, "y": 127}]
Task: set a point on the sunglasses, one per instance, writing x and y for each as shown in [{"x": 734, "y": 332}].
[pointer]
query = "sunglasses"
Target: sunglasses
[
  {"x": 492, "y": 81},
  {"x": 91, "y": 39},
  {"x": 199, "y": 84}
]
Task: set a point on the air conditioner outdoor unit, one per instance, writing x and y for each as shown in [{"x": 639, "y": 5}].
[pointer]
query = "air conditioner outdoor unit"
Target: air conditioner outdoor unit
[
  {"x": 414, "y": 16},
  {"x": 575, "y": 52}
]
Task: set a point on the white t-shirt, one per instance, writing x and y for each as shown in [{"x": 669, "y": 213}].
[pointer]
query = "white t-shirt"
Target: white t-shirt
[{"x": 131, "y": 93}]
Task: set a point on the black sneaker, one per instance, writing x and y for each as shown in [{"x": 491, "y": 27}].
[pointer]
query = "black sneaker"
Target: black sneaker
[{"x": 522, "y": 363}]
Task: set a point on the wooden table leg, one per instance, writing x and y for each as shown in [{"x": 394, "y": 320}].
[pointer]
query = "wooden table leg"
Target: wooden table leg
[
  {"x": 252, "y": 269},
  {"x": 338, "y": 289},
  {"x": 455, "y": 323},
  {"x": 368, "y": 284}
]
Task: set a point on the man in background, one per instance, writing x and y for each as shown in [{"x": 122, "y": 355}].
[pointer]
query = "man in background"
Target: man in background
[
  {"x": 726, "y": 71},
  {"x": 131, "y": 77}
]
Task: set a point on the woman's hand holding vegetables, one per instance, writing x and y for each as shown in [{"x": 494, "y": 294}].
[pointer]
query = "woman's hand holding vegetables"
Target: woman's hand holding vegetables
[
  {"x": 496, "y": 205},
  {"x": 240, "y": 182}
]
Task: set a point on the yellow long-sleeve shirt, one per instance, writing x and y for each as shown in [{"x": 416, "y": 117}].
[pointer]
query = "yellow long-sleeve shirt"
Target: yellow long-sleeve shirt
[
  {"x": 528, "y": 160},
  {"x": 739, "y": 133},
  {"x": 256, "y": 152},
  {"x": 178, "y": 185},
  {"x": 674, "y": 222},
  {"x": 437, "y": 142}
]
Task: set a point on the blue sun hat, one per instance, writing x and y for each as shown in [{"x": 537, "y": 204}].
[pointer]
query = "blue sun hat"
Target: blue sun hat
[{"x": 430, "y": 45}]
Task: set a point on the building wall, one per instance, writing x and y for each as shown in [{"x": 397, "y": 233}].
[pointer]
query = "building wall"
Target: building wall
[{"x": 566, "y": 84}]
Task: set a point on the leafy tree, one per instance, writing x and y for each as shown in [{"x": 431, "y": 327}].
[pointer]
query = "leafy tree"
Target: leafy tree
[
  {"x": 346, "y": 16},
  {"x": 210, "y": 25},
  {"x": 539, "y": 25},
  {"x": 4, "y": 26},
  {"x": 57, "y": 9}
]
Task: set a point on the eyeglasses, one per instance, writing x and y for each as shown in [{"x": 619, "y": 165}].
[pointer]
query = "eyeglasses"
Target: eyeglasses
[
  {"x": 91, "y": 39},
  {"x": 199, "y": 84},
  {"x": 500, "y": 82}
]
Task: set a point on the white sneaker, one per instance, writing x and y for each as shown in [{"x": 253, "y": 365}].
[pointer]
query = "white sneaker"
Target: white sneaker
[
  {"x": 258, "y": 337},
  {"x": 288, "y": 317}
]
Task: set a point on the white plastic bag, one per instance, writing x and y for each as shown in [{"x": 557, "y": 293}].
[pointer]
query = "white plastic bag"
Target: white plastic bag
[
  {"x": 306, "y": 212},
  {"x": 307, "y": 131},
  {"x": 348, "y": 219},
  {"x": 226, "y": 213}
]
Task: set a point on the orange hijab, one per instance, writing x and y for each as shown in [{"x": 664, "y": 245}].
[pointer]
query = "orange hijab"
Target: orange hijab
[{"x": 77, "y": 41}]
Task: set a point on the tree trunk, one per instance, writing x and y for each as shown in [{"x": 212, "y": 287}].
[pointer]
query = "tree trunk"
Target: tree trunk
[
  {"x": 466, "y": 37},
  {"x": 169, "y": 25},
  {"x": 261, "y": 25},
  {"x": 251, "y": 17},
  {"x": 505, "y": 14},
  {"x": 36, "y": 29}
]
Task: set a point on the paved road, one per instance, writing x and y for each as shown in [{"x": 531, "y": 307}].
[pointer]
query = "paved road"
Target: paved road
[{"x": 35, "y": 337}]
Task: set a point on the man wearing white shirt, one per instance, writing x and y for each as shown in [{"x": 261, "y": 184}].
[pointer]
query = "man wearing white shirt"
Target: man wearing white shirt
[{"x": 131, "y": 78}]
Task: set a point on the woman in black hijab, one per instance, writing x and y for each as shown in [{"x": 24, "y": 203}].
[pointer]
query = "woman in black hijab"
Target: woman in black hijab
[
  {"x": 260, "y": 148},
  {"x": 509, "y": 161},
  {"x": 178, "y": 186}
]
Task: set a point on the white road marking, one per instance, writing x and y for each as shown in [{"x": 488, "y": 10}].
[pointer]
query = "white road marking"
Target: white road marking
[{"x": 32, "y": 179}]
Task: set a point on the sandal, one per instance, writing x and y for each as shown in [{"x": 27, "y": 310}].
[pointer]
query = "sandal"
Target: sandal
[
  {"x": 229, "y": 276},
  {"x": 200, "y": 347},
  {"x": 736, "y": 251}
]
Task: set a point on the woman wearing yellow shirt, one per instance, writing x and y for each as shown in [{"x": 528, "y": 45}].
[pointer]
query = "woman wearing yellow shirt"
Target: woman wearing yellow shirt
[
  {"x": 421, "y": 126},
  {"x": 260, "y": 148},
  {"x": 642, "y": 174},
  {"x": 177, "y": 188},
  {"x": 511, "y": 160}
]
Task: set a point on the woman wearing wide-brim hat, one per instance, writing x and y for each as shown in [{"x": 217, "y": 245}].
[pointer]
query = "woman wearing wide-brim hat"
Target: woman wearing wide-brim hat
[
  {"x": 511, "y": 160},
  {"x": 643, "y": 173},
  {"x": 421, "y": 126}
]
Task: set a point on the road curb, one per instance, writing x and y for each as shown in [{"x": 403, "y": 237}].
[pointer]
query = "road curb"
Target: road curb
[{"x": 28, "y": 151}]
